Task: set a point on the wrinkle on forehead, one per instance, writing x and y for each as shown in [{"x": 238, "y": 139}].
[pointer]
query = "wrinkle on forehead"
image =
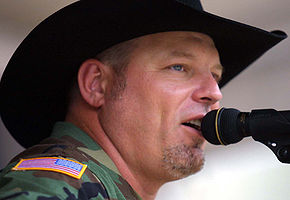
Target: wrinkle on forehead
[
  {"x": 199, "y": 37},
  {"x": 183, "y": 54}
]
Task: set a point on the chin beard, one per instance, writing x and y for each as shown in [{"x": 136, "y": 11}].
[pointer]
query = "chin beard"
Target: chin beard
[{"x": 182, "y": 160}]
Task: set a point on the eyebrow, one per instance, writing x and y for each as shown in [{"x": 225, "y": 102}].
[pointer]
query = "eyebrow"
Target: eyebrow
[
  {"x": 190, "y": 56},
  {"x": 220, "y": 67}
]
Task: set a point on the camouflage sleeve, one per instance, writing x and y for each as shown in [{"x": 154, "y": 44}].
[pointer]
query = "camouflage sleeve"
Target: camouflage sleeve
[{"x": 48, "y": 185}]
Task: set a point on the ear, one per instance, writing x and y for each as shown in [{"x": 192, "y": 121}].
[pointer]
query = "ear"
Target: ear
[{"x": 93, "y": 78}]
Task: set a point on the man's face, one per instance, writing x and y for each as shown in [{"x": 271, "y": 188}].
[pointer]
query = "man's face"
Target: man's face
[{"x": 171, "y": 80}]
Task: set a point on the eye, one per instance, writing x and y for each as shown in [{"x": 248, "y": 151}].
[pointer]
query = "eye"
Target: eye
[{"x": 179, "y": 68}]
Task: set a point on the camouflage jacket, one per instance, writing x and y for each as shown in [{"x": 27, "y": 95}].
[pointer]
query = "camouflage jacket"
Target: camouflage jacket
[{"x": 67, "y": 165}]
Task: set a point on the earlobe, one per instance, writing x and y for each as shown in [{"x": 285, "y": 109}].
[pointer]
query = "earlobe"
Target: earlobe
[{"x": 92, "y": 79}]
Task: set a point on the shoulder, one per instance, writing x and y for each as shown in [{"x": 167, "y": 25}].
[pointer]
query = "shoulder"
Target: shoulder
[
  {"x": 40, "y": 184},
  {"x": 52, "y": 178},
  {"x": 97, "y": 181}
]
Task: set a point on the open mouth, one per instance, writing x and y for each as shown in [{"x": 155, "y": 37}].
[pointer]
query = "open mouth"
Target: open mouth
[{"x": 193, "y": 124}]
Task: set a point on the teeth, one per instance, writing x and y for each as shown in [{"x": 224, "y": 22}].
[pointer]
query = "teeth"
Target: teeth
[{"x": 196, "y": 122}]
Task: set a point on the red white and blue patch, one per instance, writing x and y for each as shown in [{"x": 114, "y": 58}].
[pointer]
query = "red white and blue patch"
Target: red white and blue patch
[{"x": 56, "y": 164}]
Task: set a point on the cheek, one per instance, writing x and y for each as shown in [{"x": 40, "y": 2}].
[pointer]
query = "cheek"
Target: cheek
[
  {"x": 171, "y": 101},
  {"x": 141, "y": 109}
]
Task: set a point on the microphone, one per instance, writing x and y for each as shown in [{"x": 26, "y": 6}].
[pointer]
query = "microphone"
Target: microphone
[{"x": 228, "y": 126}]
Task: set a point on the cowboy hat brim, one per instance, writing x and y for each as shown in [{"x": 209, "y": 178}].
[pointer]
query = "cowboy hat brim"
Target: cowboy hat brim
[{"x": 36, "y": 81}]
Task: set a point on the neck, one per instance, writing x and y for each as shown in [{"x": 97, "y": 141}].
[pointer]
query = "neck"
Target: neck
[{"x": 145, "y": 187}]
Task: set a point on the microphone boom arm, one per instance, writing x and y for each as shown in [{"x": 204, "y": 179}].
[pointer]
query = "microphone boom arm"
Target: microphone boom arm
[
  {"x": 272, "y": 128},
  {"x": 268, "y": 126}
]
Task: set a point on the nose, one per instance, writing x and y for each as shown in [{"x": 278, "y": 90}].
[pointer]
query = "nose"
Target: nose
[{"x": 208, "y": 91}]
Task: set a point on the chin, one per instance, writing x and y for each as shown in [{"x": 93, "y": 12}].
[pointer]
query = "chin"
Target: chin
[{"x": 182, "y": 161}]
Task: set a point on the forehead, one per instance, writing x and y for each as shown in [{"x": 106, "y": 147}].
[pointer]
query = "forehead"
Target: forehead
[
  {"x": 167, "y": 39},
  {"x": 179, "y": 44}
]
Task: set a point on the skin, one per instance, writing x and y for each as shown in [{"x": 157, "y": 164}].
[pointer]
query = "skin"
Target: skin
[{"x": 171, "y": 78}]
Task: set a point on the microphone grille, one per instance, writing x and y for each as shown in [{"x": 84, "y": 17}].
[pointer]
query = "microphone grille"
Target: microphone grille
[
  {"x": 229, "y": 126},
  {"x": 221, "y": 127},
  {"x": 208, "y": 127}
]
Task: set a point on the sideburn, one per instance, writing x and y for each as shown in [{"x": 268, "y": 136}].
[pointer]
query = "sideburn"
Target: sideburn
[{"x": 119, "y": 85}]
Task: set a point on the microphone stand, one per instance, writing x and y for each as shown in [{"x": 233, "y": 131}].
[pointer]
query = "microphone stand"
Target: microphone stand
[{"x": 282, "y": 152}]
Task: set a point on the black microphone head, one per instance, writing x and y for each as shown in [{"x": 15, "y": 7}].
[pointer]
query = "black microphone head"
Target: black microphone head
[{"x": 221, "y": 126}]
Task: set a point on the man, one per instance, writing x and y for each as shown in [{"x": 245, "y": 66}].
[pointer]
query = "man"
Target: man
[{"x": 129, "y": 83}]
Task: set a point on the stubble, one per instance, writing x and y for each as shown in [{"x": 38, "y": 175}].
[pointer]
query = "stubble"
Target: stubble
[{"x": 183, "y": 160}]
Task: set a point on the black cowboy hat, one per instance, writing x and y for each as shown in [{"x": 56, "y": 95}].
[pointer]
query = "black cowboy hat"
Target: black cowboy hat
[{"x": 36, "y": 81}]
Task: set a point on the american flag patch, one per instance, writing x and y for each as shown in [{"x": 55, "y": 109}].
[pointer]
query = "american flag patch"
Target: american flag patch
[{"x": 56, "y": 164}]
